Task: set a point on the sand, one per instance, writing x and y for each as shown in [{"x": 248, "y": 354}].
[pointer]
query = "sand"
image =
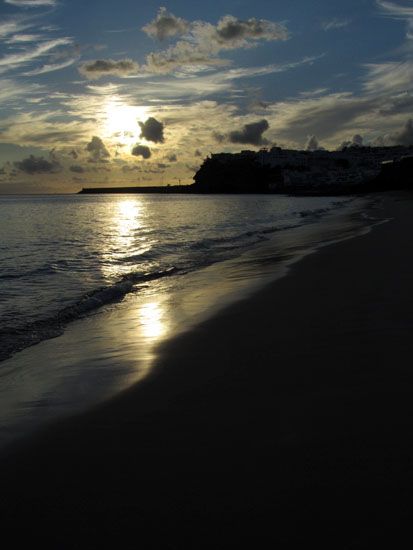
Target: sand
[{"x": 286, "y": 420}]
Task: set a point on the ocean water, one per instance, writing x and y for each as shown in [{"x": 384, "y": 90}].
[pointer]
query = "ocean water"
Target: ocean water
[
  {"x": 62, "y": 257},
  {"x": 90, "y": 285}
]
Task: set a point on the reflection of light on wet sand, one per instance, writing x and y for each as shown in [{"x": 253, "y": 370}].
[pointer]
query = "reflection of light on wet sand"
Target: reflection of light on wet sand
[{"x": 152, "y": 320}]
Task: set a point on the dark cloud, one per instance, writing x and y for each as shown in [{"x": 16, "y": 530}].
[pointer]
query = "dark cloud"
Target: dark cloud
[
  {"x": 37, "y": 165},
  {"x": 152, "y": 130},
  {"x": 403, "y": 137},
  {"x": 233, "y": 31},
  {"x": 77, "y": 169},
  {"x": 131, "y": 168},
  {"x": 356, "y": 141},
  {"x": 219, "y": 138},
  {"x": 165, "y": 25},
  {"x": 107, "y": 67},
  {"x": 141, "y": 151},
  {"x": 172, "y": 158},
  {"x": 251, "y": 133},
  {"x": 97, "y": 150}
]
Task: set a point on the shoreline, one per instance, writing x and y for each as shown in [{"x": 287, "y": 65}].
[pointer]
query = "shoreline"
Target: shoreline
[{"x": 285, "y": 418}]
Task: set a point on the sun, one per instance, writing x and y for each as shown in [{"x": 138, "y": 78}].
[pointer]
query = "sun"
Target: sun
[{"x": 120, "y": 122}]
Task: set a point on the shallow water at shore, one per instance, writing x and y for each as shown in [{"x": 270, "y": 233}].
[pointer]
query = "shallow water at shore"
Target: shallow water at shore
[{"x": 98, "y": 356}]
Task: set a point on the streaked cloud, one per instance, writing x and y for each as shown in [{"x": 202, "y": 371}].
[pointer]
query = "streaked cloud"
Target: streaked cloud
[
  {"x": 12, "y": 60},
  {"x": 12, "y": 26},
  {"x": 31, "y": 3},
  {"x": 396, "y": 10},
  {"x": 51, "y": 67},
  {"x": 391, "y": 76},
  {"x": 335, "y": 23}
]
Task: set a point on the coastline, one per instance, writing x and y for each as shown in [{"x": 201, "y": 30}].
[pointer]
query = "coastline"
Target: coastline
[{"x": 284, "y": 418}]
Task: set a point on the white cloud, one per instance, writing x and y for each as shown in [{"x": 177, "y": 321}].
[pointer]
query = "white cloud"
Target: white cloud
[
  {"x": 24, "y": 38},
  {"x": 392, "y": 76},
  {"x": 13, "y": 60},
  {"x": 335, "y": 23},
  {"x": 396, "y": 10},
  {"x": 51, "y": 67},
  {"x": 31, "y": 3},
  {"x": 205, "y": 41},
  {"x": 12, "y": 90},
  {"x": 11, "y": 26}
]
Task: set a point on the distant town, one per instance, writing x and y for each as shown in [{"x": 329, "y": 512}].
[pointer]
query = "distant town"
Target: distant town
[{"x": 350, "y": 170}]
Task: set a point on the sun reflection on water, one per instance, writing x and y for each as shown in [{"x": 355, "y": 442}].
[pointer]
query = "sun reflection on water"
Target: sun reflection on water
[
  {"x": 128, "y": 217},
  {"x": 125, "y": 238}
]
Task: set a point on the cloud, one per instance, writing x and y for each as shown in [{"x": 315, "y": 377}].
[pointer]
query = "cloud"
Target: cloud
[
  {"x": 231, "y": 32},
  {"x": 152, "y": 130},
  {"x": 182, "y": 54},
  {"x": 219, "y": 138},
  {"x": 395, "y": 9},
  {"x": 402, "y": 137},
  {"x": 51, "y": 67},
  {"x": 141, "y": 151},
  {"x": 97, "y": 150},
  {"x": 107, "y": 67},
  {"x": 38, "y": 165},
  {"x": 12, "y": 89},
  {"x": 250, "y": 133},
  {"x": 335, "y": 23},
  {"x": 356, "y": 141},
  {"x": 12, "y": 60},
  {"x": 165, "y": 25},
  {"x": 12, "y": 26},
  {"x": 312, "y": 144},
  {"x": 205, "y": 41},
  {"x": 77, "y": 169},
  {"x": 392, "y": 76},
  {"x": 31, "y": 3}
]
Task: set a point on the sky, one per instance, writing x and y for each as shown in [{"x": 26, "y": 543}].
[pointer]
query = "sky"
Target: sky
[{"x": 107, "y": 93}]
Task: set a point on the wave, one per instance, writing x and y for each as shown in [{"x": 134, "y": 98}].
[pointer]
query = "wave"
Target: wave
[
  {"x": 183, "y": 255},
  {"x": 14, "y": 339}
]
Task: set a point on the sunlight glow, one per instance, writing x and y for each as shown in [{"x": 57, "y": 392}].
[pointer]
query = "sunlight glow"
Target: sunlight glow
[{"x": 121, "y": 122}]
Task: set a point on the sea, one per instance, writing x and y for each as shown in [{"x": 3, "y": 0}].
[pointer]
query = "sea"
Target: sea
[{"x": 91, "y": 285}]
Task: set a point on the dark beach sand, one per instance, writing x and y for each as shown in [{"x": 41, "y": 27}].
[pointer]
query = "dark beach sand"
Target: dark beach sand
[{"x": 285, "y": 421}]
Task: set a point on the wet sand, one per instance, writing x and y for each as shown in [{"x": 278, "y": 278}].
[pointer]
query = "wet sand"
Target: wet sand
[{"x": 287, "y": 419}]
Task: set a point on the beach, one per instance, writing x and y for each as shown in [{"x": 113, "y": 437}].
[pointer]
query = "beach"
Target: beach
[{"x": 284, "y": 419}]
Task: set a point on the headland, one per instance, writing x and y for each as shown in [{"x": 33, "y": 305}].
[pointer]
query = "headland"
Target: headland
[{"x": 352, "y": 170}]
